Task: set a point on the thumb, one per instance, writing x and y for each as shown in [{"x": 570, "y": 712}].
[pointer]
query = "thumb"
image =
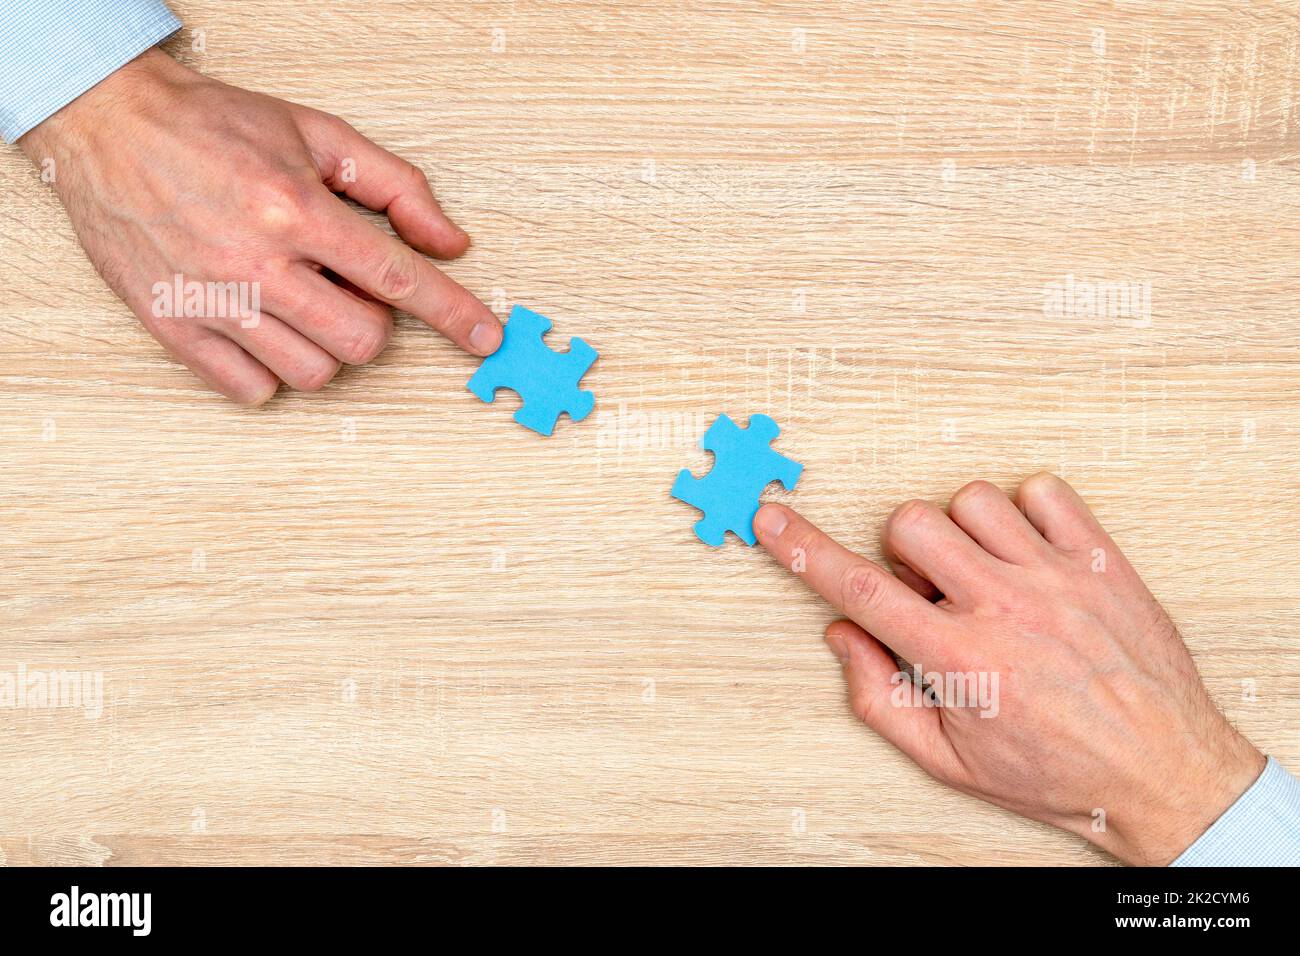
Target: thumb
[{"x": 884, "y": 698}]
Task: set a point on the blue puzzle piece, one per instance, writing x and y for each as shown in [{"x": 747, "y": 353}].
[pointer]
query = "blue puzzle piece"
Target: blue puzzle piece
[
  {"x": 546, "y": 381},
  {"x": 743, "y": 465}
]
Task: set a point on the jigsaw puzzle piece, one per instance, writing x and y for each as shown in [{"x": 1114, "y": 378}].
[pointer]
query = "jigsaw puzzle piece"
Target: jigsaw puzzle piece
[
  {"x": 571, "y": 366},
  {"x": 712, "y": 533},
  {"x": 782, "y": 469},
  {"x": 744, "y": 464},
  {"x": 691, "y": 490},
  {"x": 578, "y": 360},
  {"x": 724, "y": 433},
  {"x": 541, "y": 415},
  {"x": 546, "y": 381},
  {"x": 509, "y": 363}
]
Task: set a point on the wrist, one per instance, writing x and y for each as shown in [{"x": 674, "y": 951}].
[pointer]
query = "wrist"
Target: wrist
[
  {"x": 1185, "y": 800},
  {"x": 130, "y": 87}
]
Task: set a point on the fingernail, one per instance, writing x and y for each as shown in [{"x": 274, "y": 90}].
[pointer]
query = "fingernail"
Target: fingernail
[
  {"x": 770, "y": 521},
  {"x": 485, "y": 338},
  {"x": 838, "y": 645}
]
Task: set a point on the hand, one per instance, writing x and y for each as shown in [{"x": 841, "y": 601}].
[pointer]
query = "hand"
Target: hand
[
  {"x": 1085, "y": 698},
  {"x": 166, "y": 173}
]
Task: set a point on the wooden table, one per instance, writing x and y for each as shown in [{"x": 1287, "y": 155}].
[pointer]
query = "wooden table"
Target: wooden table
[{"x": 383, "y": 623}]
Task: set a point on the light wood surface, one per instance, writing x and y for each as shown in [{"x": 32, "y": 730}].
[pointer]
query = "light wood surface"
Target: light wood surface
[{"x": 383, "y": 623}]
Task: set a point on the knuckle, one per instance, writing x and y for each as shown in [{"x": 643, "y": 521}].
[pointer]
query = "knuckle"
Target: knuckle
[
  {"x": 807, "y": 546},
  {"x": 973, "y": 495},
  {"x": 861, "y": 585},
  {"x": 1043, "y": 481},
  {"x": 254, "y": 394},
  {"x": 274, "y": 273},
  {"x": 416, "y": 176},
  {"x": 398, "y": 276},
  {"x": 458, "y": 313},
  {"x": 863, "y": 705},
  {"x": 1044, "y": 484},
  {"x": 284, "y": 202},
  {"x": 907, "y": 517},
  {"x": 363, "y": 343},
  {"x": 334, "y": 125},
  {"x": 317, "y": 377}
]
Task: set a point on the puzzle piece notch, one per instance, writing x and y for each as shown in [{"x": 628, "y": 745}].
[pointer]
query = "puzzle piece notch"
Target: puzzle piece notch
[
  {"x": 743, "y": 465},
  {"x": 546, "y": 381}
]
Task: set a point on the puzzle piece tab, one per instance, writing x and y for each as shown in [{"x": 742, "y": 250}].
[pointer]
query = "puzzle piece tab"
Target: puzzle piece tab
[
  {"x": 546, "y": 381},
  {"x": 744, "y": 464}
]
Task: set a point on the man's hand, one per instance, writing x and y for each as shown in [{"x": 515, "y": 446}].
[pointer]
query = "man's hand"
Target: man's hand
[
  {"x": 166, "y": 173},
  {"x": 1099, "y": 708}
]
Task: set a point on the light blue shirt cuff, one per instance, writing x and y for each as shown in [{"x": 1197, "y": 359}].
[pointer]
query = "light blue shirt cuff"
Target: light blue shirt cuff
[
  {"x": 1261, "y": 829},
  {"x": 52, "y": 51}
]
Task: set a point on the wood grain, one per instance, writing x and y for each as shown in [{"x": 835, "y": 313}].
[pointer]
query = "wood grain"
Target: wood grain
[{"x": 384, "y": 624}]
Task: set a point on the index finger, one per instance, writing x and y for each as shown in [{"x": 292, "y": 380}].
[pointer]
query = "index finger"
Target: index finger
[
  {"x": 862, "y": 590},
  {"x": 393, "y": 272}
]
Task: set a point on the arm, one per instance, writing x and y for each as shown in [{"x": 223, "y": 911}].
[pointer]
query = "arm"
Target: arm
[
  {"x": 1058, "y": 686},
  {"x": 1261, "y": 829},
  {"x": 211, "y": 211},
  {"x": 53, "y": 51}
]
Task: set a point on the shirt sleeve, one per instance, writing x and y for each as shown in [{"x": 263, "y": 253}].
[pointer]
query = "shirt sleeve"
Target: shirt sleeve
[
  {"x": 1261, "y": 829},
  {"x": 52, "y": 51}
]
